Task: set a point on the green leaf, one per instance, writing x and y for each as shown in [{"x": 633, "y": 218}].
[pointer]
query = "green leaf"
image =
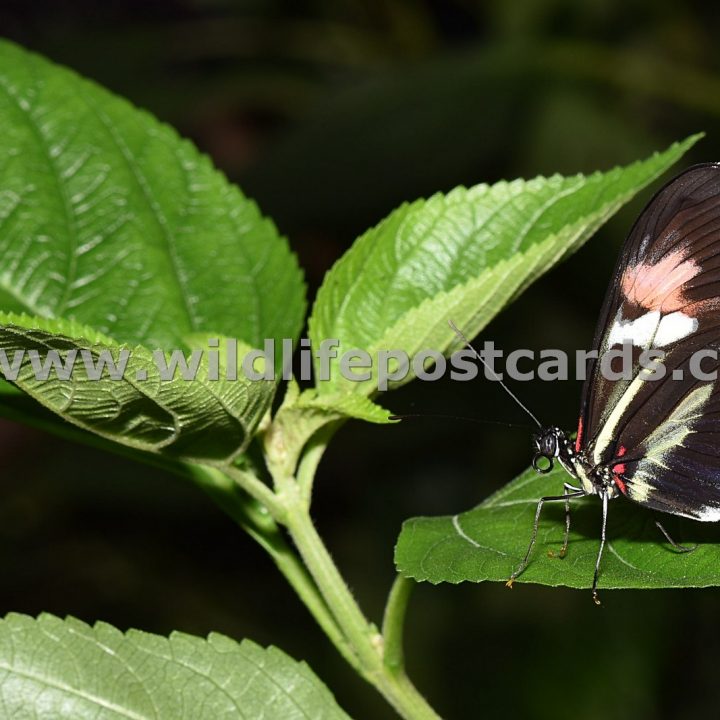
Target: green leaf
[
  {"x": 462, "y": 256},
  {"x": 107, "y": 217},
  {"x": 489, "y": 542},
  {"x": 342, "y": 405},
  {"x": 66, "y": 670},
  {"x": 201, "y": 420}
]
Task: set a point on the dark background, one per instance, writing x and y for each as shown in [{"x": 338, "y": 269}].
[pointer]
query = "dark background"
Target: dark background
[{"x": 330, "y": 113}]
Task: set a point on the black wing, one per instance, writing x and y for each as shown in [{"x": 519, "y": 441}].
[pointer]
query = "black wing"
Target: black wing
[{"x": 661, "y": 436}]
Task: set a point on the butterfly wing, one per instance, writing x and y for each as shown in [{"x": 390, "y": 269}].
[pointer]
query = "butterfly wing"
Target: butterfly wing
[{"x": 659, "y": 433}]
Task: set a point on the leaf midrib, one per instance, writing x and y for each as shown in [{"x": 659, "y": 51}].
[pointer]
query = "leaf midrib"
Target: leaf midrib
[
  {"x": 70, "y": 225},
  {"x": 57, "y": 685},
  {"x": 150, "y": 202}
]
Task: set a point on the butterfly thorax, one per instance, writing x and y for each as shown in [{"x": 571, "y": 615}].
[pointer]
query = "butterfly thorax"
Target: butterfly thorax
[
  {"x": 553, "y": 443},
  {"x": 594, "y": 479}
]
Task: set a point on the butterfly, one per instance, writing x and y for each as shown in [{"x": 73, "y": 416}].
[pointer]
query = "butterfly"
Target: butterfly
[{"x": 652, "y": 437}]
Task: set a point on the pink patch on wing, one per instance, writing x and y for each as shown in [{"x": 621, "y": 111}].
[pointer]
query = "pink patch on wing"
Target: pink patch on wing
[
  {"x": 578, "y": 439},
  {"x": 618, "y": 470},
  {"x": 660, "y": 286},
  {"x": 620, "y": 485}
]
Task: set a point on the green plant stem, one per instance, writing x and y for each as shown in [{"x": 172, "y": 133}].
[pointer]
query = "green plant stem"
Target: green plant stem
[
  {"x": 256, "y": 521},
  {"x": 330, "y": 583},
  {"x": 297, "y": 575},
  {"x": 314, "y": 450},
  {"x": 394, "y": 622},
  {"x": 257, "y": 489},
  {"x": 362, "y": 636}
]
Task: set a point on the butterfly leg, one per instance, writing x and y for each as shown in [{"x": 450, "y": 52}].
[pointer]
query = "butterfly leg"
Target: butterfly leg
[
  {"x": 677, "y": 546},
  {"x": 566, "y": 496},
  {"x": 566, "y": 539},
  {"x": 604, "y": 497}
]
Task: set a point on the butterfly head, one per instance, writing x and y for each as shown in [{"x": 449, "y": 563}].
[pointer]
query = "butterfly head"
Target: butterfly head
[{"x": 548, "y": 443}]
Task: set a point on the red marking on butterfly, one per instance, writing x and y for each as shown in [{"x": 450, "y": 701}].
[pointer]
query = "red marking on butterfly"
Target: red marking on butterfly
[
  {"x": 618, "y": 470},
  {"x": 620, "y": 485},
  {"x": 578, "y": 439}
]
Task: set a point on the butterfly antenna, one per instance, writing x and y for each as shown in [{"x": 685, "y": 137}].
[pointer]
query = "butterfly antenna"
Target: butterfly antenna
[
  {"x": 495, "y": 375},
  {"x": 443, "y": 416}
]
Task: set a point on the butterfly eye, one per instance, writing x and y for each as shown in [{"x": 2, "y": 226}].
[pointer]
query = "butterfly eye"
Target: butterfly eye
[
  {"x": 546, "y": 444},
  {"x": 542, "y": 463}
]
